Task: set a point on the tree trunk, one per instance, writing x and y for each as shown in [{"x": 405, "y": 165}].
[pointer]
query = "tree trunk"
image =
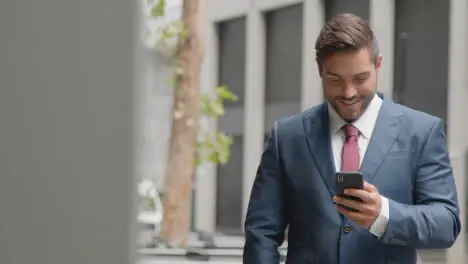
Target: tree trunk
[{"x": 181, "y": 161}]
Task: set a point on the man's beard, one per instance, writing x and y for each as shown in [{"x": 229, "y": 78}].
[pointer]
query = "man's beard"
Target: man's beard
[{"x": 366, "y": 100}]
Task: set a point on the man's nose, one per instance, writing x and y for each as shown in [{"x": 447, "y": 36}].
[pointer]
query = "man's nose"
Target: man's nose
[{"x": 349, "y": 92}]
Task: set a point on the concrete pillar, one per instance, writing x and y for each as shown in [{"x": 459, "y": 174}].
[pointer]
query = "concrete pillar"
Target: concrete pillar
[
  {"x": 314, "y": 19},
  {"x": 254, "y": 102},
  {"x": 456, "y": 114},
  {"x": 68, "y": 137},
  {"x": 268, "y": 5},
  {"x": 220, "y": 10},
  {"x": 382, "y": 19},
  {"x": 205, "y": 196}
]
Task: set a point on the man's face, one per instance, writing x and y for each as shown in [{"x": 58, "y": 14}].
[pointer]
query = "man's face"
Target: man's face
[{"x": 349, "y": 82}]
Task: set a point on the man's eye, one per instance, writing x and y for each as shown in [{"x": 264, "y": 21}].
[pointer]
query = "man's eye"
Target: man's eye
[{"x": 361, "y": 79}]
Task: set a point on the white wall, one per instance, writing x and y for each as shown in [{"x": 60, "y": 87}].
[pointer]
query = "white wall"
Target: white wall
[
  {"x": 382, "y": 20},
  {"x": 157, "y": 107},
  {"x": 67, "y": 122},
  {"x": 157, "y": 97}
]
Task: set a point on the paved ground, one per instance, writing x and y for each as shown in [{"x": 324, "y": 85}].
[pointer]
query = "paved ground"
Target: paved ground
[
  {"x": 231, "y": 253},
  {"x": 219, "y": 261},
  {"x": 155, "y": 261},
  {"x": 231, "y": 260}
]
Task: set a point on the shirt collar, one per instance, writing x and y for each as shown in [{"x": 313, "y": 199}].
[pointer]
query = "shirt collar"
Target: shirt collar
[{"x": 365, "y": 124}]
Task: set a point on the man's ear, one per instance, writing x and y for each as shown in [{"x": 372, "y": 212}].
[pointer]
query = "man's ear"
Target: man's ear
[{"x": 378, "y": 63}]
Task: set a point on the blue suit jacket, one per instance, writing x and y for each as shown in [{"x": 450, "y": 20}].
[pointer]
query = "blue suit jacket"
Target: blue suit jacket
[{"x": 407, "y": 160}]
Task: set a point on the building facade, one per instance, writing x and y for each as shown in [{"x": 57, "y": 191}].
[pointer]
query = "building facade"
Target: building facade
[{"x": 263, "y": 50}]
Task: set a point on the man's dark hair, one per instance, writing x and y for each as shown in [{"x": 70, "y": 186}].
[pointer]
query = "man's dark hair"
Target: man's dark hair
[{"x": 345, "y": 33}]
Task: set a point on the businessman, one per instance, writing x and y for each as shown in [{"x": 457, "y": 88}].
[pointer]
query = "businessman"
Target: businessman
[{"x": 409, "y": 200}]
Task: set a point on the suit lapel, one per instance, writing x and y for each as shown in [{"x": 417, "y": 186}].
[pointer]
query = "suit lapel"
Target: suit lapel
[
  {"x": 385, "y": 132},
  {"x": 318, "y": 138}
]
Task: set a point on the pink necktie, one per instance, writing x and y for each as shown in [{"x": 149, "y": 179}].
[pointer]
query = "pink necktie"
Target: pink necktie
[{"x": 350, "y": 155}]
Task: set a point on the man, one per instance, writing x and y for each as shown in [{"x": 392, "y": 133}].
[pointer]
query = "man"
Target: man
[{"x": 409, "y": 200}]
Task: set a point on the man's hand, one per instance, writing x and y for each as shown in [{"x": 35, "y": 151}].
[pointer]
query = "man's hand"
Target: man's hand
[{"x": 367, "y": 210}]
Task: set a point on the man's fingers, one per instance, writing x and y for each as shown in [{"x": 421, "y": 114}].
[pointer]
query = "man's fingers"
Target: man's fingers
[
  {"x": 348, "y": 202},
  {"x": 364, "y": 195},
  {"x": 369, "y": 187},
  {"x": 358, "y": 205},
  {"x": 367, "y": 209},
  {"x": 355, "y": 216}
]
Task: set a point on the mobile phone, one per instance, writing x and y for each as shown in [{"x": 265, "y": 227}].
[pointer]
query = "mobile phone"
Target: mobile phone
[{"x": 349, "y": 180}]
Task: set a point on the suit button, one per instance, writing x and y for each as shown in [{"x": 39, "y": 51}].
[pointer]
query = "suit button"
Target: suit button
[{"x": 347, "y": 229}]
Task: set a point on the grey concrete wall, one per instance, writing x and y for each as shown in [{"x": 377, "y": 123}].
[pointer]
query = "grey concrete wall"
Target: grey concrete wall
[
  {"x": 382, "y": 19},
  {"x": 67, "y": 122},
  {"x": 157, "y": 94},
  {"x": 157, "y": 107}
]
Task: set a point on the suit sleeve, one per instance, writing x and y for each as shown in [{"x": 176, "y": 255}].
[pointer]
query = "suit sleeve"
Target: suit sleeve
[
  {"x": 433, "y": 220},
  {"x": 266, "y": 220}
]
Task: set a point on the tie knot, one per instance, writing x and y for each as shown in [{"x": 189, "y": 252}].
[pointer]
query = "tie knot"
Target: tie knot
[{"x": 351, "y": 131}]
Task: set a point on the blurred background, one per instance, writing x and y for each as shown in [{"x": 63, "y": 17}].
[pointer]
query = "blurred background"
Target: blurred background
[{"x": 87, "y": 114}]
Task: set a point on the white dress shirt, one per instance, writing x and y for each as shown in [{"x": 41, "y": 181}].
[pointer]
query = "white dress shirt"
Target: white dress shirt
[{"x": 365, "y": 124}]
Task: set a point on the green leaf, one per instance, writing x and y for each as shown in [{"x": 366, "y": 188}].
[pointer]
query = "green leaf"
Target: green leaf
[
  {"x": 183, "y": 33},
  {"x": 170, "y": 80},
  {"x": 179, "y": 71},
  {"x": 223, "y": 156},
  {"x": 225, "y": 94},
  {"x": 158, "y": 9},
  {"x": 217, "y": 108},
  {"x": 199, "y": 145},
  {"x": 212, "y": 158},
  {"x": 198, "y": 160},
  {"x": 224, "y": 139},
  {"x": 211, "y": 146}
]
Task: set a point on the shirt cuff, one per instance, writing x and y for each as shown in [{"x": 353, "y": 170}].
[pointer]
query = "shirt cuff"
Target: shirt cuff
[{"x": 379, "y": 227}]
